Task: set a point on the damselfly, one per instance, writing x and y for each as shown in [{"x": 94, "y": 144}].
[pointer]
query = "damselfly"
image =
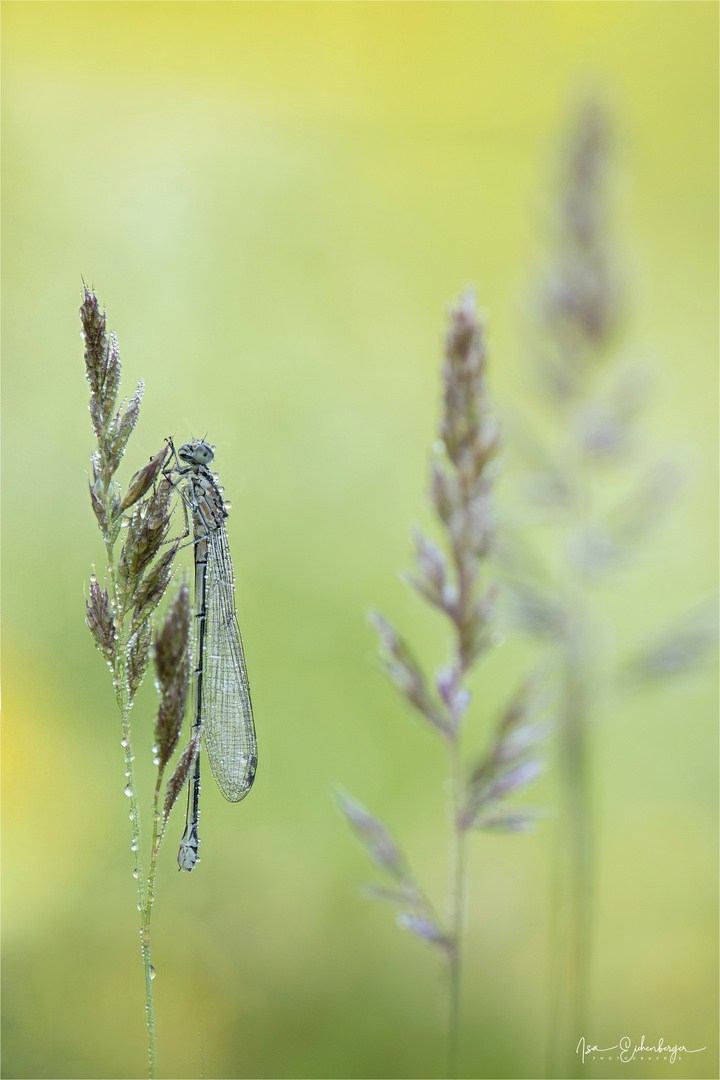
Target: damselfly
[{"x": 222, "y": 711}]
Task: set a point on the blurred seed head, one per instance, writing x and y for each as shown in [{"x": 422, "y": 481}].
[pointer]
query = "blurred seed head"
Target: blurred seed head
[
  {"x": 426, "y": 929},
  {"x": 578, "y": 303},
  {"x": 375, "y": 838},
  {"x": 511, "y": 762}
]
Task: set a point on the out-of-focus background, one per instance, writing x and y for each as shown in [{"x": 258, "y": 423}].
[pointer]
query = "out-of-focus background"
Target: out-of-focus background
[{"x": 276, "y": 203}]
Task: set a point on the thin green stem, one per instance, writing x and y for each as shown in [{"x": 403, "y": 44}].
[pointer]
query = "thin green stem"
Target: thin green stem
[
  {"x": 557, "y": 965},
  {"x": 456, "y": 894},
  {"x": 579, "y": 825},
  {"x": 145, "y": 898},
  {"x": 576, "y": 857},
  {"x": 144, "y": 888},
  {"x": 157, "y": 836}
]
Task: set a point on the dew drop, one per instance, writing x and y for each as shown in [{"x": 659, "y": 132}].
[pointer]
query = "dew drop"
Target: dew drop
[
  {"x": 127, "y": 772},
  {"x": 156, "y": 761},
  {"x": 227, "y": 504},
  {"x": 135, "y": 846},
  {"x": 128, "y": 789},
  {"x": 135, "y": 872},
  {"x": 139, "y": 907},
  {"x": 153, "y": 973},
  {"x": 124, "y": 742}
]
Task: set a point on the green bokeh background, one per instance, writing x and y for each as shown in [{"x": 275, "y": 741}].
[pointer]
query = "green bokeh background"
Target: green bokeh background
[{"x": 276, "y": 202}]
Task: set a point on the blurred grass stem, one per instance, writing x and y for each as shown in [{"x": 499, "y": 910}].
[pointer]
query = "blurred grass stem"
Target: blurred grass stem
[
  {"x": 575, "y": 863},
  {"x": 457, "y": 895},
  {"x": 578, "y": 311},
  {"x": 462, "y": 476}
]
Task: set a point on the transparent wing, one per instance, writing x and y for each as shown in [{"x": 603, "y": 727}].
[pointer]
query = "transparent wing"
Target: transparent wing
[{"x": 228, "y": 727}]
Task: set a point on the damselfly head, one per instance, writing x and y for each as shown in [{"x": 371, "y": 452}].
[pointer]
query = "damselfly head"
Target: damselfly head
[{"x": 197, "y": 452}]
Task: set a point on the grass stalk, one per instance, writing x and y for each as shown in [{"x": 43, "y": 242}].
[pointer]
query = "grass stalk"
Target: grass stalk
[
  {"x": 144, "y": 888},
  {"x": 592, "y": 400},
  {"x": 456, "y": 895},
  {"x": 461, "y": 488},
  {"x": 575, "y": 937},
  {"x": 576, "y": 314},
  {"x": 121, "y": 615}
]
